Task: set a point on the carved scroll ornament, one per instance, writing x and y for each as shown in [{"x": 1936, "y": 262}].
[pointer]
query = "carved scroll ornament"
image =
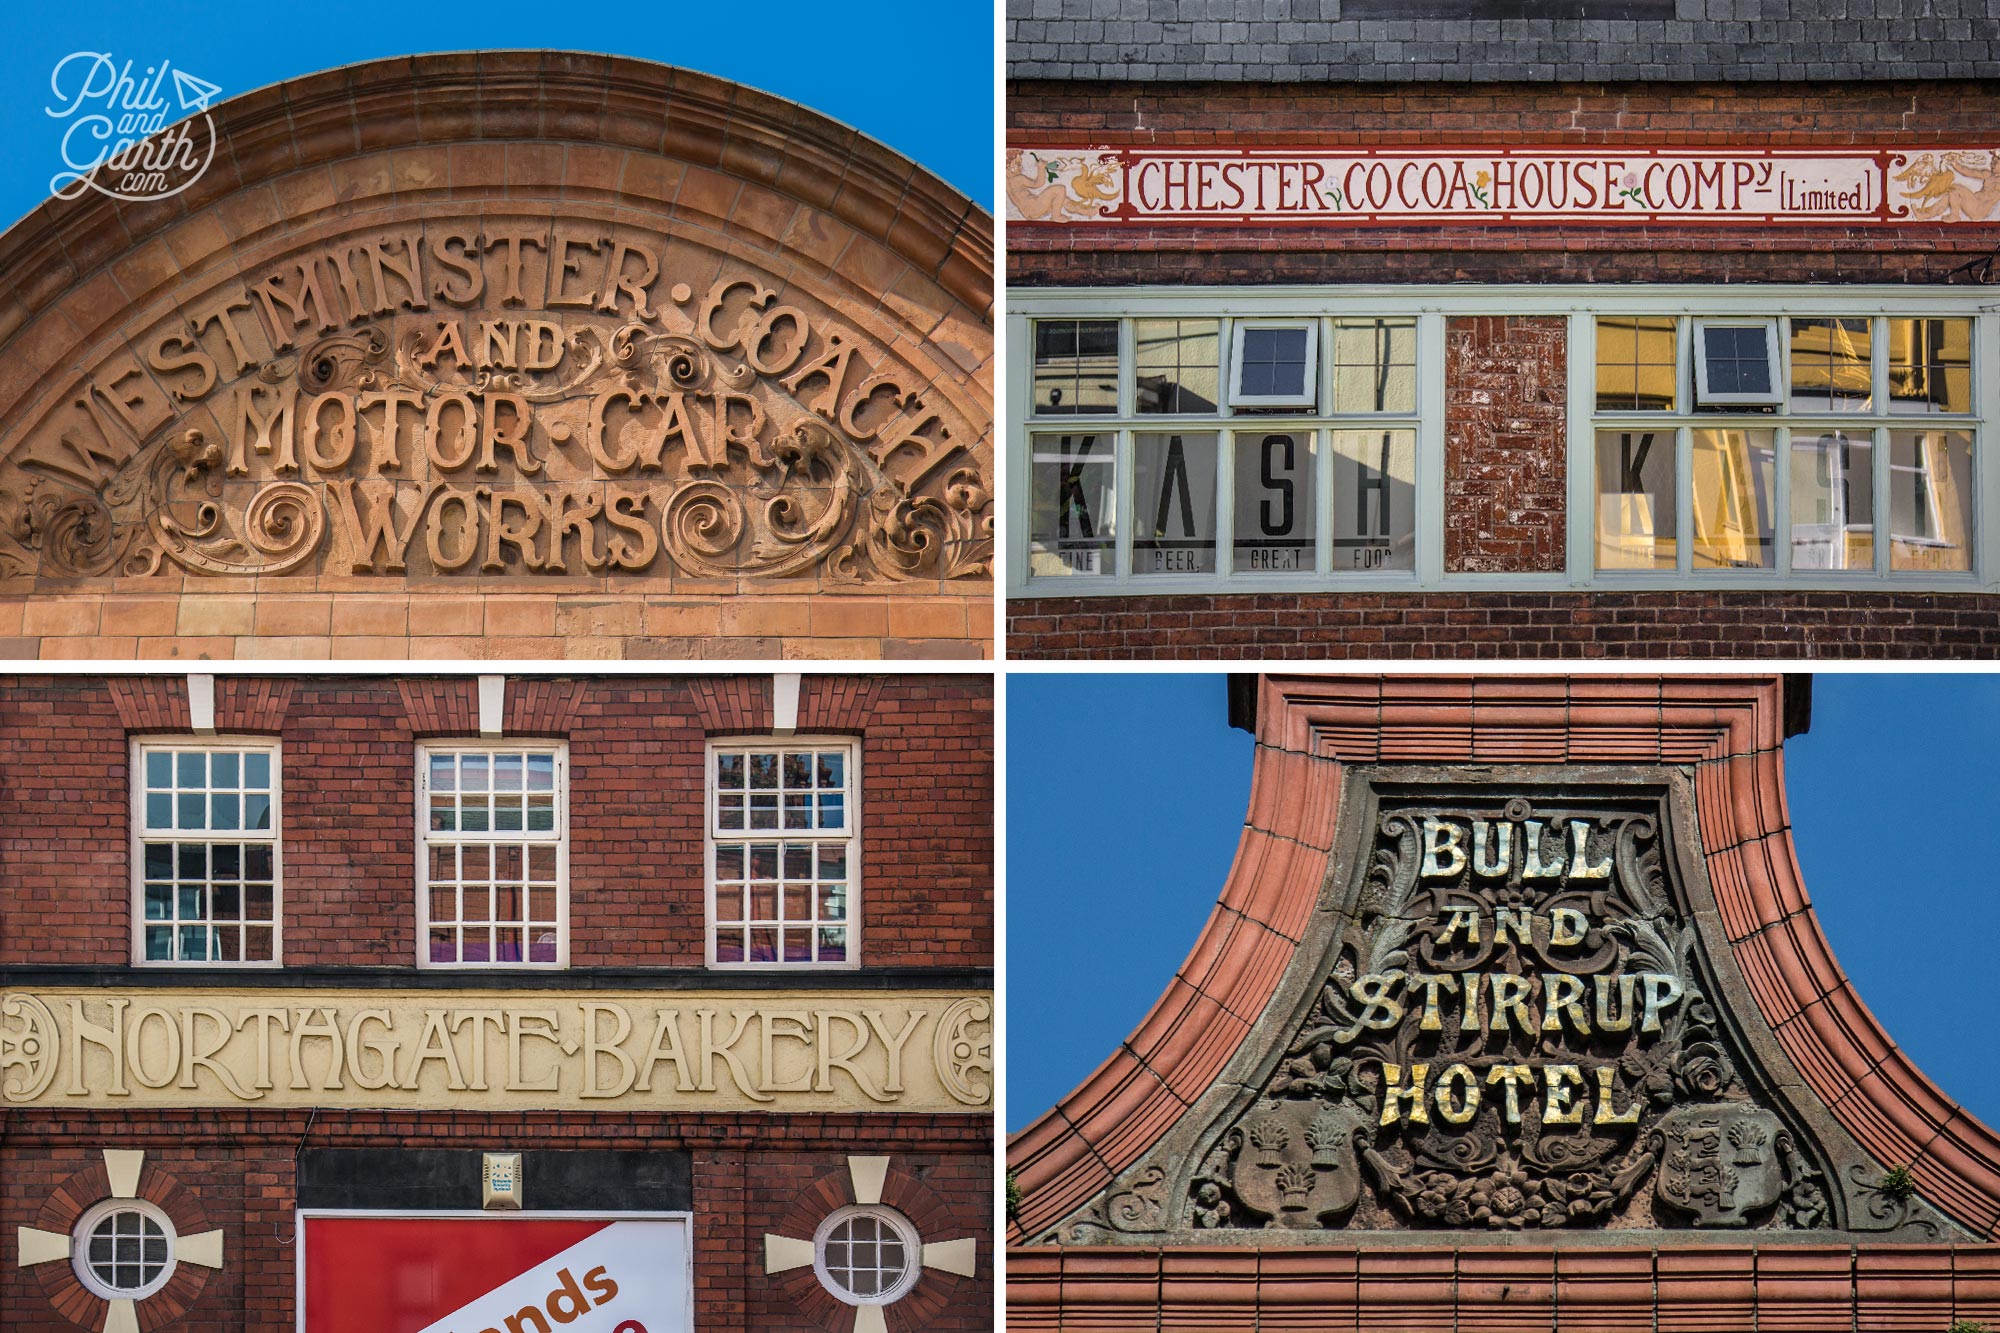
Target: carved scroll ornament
[{"x": 321, "y": 419}]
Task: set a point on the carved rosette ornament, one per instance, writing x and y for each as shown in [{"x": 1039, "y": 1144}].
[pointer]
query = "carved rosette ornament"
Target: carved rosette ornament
[
  {"x": 962, "y": 1048},
  {"x": 29, "y": 1047},
  {"x": 369, "y": 410},
  {"x": 1512, "y": 1025}
]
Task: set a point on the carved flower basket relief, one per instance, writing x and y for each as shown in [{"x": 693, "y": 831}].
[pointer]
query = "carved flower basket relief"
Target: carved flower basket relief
[{"x": 1513, "y": 1032}]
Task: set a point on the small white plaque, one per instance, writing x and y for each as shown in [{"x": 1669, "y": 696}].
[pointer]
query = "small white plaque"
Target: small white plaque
[{"x": 500, "y": 1180}]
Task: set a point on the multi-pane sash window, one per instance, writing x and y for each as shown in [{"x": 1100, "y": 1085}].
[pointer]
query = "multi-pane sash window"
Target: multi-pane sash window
[
  {"x": 783, "y": 845},
  {"x": 206, "y": 851},
  {"x": 1226, "y": 452},
  {"x": 493, "y": 870},
  {"x": 1785, "y": 445}
]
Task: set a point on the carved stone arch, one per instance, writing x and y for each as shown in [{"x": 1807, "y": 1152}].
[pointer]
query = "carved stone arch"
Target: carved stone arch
[
  {"x": 419, "y": 314},
  {"x": 1103, "y": 1178}
]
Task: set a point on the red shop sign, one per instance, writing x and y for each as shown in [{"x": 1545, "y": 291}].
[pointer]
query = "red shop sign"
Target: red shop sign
[{"x": 489, "y": 1273}]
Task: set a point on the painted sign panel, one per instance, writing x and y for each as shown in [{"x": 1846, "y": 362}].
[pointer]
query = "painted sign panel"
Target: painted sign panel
[
  {"x": 460, "y": 1273},
  {"x": 1321, "y": 186}
]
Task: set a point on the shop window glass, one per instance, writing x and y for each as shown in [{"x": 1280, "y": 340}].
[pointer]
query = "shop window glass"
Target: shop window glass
[
  {"x": 1073, "y": 508},
  {"x": 1636, "y": 494},
  {"x": 1275, "y": 364},
  {"x": 1177, "y": 365},
  {"x": 1276, "y": 508},
  {"x": 1076, "y": 366},
  {"x": 1637, "y": 364},
  {"x": 1173, "y": 516},
  {"x": 1735, "y": 364}
]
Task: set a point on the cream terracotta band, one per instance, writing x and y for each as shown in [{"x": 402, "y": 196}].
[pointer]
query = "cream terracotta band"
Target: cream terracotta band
[{"x": 486, "y": 1050}]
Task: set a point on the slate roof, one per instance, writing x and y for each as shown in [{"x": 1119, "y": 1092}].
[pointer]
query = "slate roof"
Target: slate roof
[{"x": 1285, "y": 41}]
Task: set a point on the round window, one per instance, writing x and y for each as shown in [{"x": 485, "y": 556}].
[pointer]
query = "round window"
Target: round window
[
  {"x": 867, "y": 1255},
  {"x": 124, "y": 1249}
]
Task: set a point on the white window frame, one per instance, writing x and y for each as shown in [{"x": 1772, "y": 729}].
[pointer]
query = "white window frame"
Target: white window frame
[
  {"x": 1433, "y": 304},
  {"x": 1119, "y": 432},
  {"x": 424, "y": 750},
  {"x": 138, "y": 749},
  {"x": 1779, "y": 390},
  {"x": 906, "y": 1231},
  {"x": 710, "y": 834},
  {"x": 80, "y": 1248},
  {"x": 1873, "y": 428},
  {"x": 1306, "y": 398}
]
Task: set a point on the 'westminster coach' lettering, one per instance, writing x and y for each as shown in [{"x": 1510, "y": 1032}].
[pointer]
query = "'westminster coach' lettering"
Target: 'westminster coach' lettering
[{"x": 499, "y": 397}]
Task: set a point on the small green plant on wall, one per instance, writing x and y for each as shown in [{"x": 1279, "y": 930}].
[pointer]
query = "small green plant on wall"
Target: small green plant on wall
[
  {"x": 1966, "y": 1326},
  {"x": 1899, "y": 1184},
  {"x": 1013, "y": 1198}
]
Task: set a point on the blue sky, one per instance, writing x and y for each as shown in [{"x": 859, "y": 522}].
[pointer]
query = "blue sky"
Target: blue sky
[
  {"x": 1125, "y": 795},
  {"x": 916, "y": 74}
]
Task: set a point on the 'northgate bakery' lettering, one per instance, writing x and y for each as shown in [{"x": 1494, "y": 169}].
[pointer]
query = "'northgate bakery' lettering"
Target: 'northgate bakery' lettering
[{"x": 331, "y": 1050}]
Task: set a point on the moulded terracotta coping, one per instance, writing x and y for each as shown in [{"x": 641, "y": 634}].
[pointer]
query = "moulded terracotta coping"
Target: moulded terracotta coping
[
  {"x": 1513, "y": 1289},
  {"x": 1732, "y": 729},
  {"x": 609, "y": 102}
]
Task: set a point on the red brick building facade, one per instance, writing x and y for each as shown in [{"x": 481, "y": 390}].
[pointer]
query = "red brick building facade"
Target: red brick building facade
[
  {"x": 446, "y": 969},
  {"x": 1518, "y": 539}
]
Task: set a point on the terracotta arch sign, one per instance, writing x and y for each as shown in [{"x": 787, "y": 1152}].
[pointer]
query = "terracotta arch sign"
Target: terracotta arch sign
[
  {"x": 1513, "y": 998},
  {"x": 598, "y": 341}
]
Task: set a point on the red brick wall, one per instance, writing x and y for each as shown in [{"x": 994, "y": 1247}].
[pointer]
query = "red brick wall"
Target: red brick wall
[
  {"x": 1509, "y": 625},
  {"x": 1559, "y": 114},
  {"x": 236, "y": 1170},
  {"x": 636, "y": 801},
  {"x": 1505, "y": 458},
  {"x": 65, "y": 816}
]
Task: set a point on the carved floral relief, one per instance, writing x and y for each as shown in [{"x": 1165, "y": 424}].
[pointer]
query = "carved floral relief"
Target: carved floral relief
[
  {"x": 1508, "y": 1022},
  {"x": 1516, "y": 1035}
]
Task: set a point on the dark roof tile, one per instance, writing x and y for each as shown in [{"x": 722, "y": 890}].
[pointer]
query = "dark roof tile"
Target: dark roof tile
[{"x": 1308, "y": 41}]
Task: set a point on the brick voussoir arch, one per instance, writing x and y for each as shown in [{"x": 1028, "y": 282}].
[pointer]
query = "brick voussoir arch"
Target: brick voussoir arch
[{"x": 1730, "y": 728}]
